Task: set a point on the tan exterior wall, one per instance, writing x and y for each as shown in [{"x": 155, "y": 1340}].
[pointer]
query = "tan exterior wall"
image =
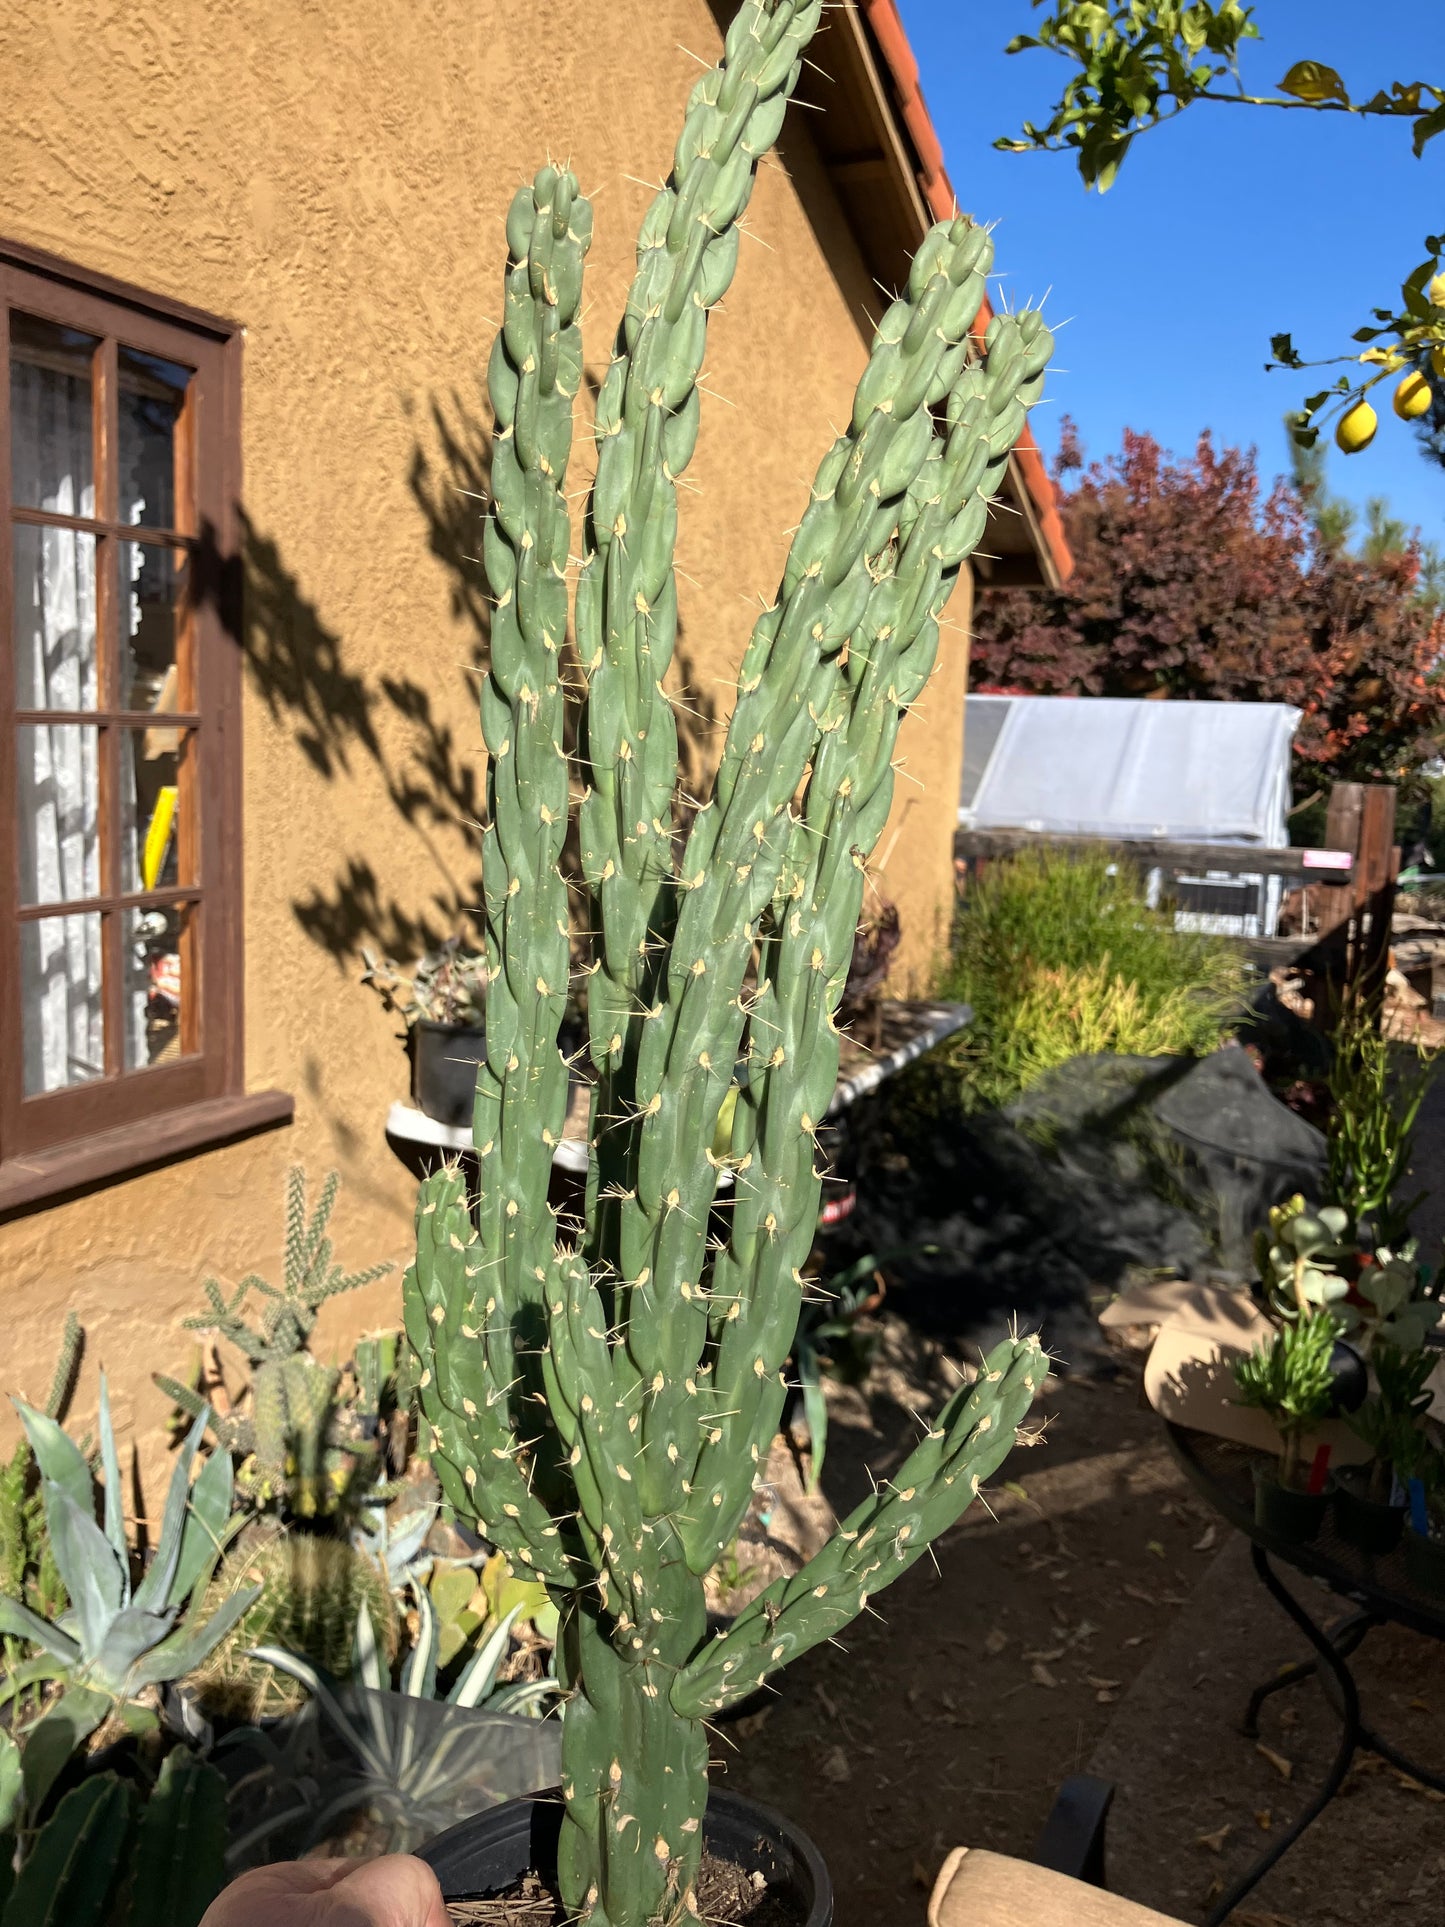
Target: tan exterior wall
[{"x": 336, "y": 180}]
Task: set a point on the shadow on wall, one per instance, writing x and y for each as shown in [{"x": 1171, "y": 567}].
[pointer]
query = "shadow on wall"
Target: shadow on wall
[
  {"x": 339, "y": 715},
  {"x": 341, "y": 718}
]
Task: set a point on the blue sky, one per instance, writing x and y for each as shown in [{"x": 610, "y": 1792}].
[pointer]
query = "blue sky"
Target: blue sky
[{"x": 1222, "y": 229}]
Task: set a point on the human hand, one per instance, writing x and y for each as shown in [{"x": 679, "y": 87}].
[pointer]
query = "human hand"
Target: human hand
[{"x": 395, "y": 1891}]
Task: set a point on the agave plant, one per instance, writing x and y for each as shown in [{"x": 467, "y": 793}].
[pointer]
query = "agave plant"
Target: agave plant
[
  {"x": 115, "y": 1639},
  {"x": 406, "y": 1762}
]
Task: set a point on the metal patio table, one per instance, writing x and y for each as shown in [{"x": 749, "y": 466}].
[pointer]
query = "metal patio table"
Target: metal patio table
[{"x": 1377, "y": 1586}]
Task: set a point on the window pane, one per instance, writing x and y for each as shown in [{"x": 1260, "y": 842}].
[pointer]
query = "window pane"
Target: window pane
[
  {"x": 51, "y": 440},
  {"x": 150, "y": 781},
  {"x": 62, "y": 1028},
  {"x": 153, "y": 588},
  {"x": 58, "y": 783},
  {"x": 152, "y": 395},
  {"x": 155, "y": 949},
  {"x": 54, "y": 622}
]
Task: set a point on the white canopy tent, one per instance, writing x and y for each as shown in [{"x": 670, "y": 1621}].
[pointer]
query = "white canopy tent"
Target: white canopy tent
[{"x": 1131, "y": 769}]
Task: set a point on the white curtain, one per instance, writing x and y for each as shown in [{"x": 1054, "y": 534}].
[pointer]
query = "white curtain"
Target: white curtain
[{"x": 59, "y": 788}]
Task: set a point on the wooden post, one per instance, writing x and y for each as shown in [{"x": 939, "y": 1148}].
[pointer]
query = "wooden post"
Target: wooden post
[
  {"x": 1376, "y": 869},
  {"x": 1355, "y": 917}
]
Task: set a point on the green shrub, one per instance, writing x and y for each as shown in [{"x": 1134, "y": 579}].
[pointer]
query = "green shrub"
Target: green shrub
[{"x": 1060, "y": 957}]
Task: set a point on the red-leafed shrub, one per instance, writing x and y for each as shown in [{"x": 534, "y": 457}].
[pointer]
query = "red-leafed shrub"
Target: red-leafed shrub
[{"x": 1191, "y": 582}]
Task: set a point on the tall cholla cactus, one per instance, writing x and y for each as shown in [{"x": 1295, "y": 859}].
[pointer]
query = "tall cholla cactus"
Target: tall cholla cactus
[{"x": 602, "y": 1410}]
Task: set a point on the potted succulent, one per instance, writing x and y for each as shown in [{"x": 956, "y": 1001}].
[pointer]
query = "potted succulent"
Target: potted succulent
[
  {"x": 601, "y": 1409},
  {"x": 1291, "y": 1380},
  {"x": 442, "y": 1002},
  {"x": 1368, "y": 1514}
]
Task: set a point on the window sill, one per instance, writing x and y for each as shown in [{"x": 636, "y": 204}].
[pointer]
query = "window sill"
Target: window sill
[{"x": 46, "y": 1177}]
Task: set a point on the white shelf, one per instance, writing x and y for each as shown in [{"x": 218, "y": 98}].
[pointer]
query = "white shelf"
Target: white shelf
[{"x": 411, "y": 1126}]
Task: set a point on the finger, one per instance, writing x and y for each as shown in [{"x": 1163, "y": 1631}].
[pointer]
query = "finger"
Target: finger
[{"x": 395, "y": 1891}]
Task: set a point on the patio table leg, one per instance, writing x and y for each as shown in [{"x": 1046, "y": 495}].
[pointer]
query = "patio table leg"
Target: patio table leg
[
  {"x": 1345, "y": 1638},
  {"x": 1350, "y": 1736}
]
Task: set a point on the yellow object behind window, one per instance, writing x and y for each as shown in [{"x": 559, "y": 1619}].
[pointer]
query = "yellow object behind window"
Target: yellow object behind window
[{"x": 158, "y": 835}]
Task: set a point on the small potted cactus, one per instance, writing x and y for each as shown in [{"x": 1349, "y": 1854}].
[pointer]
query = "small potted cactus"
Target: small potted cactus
[
  {"x": 600, "y": 1404},
  {"x": 442, "y": 1002}
]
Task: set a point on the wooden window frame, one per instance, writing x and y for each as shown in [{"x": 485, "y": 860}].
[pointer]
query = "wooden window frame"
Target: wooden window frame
[{"x": 64, "y": 1141}]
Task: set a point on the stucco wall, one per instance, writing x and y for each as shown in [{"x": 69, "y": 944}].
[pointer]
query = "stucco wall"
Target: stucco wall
[{"x": 336, "y": 180}]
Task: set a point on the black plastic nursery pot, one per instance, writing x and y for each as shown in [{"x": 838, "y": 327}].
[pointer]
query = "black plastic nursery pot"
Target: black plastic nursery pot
[
  {"x": 492, "y": 1851},
  {"x": 1284, "y": 1511},
  {"x": 1425, "y": 1561},
  {"x": 1365, "y": 1523},
  {"x": 444, "y": 1069}
]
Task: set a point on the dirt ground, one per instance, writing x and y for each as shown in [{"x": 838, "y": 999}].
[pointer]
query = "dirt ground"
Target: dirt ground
[{"x": 1093, "y": 1616}]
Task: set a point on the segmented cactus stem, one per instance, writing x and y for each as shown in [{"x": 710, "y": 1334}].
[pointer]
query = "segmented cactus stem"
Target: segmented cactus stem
[{"x": 602, "y": 1412}]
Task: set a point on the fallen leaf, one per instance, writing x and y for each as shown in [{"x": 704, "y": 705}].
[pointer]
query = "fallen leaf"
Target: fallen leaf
[
  {"x": 1053, "y": 1653},
  {"x": 1012, "y": 1485},
  {"x": 1264, "y": 1819},
  {"x": 1104, "y": 1685},
  {"x": 994, "y": 1642},
  {"x": 1206, "y": 1544},
  {"x": 1138, "y": 1592},
  {"x": 1041, "y": 1675},
  {"x": 1157, "y": 1550},
  {"x": 1419, "y": 1706},
  {"x": 1283, "y": 1767},
  {"x": 1137, "y": 1640},
  {"x": 1214, "y": 1841},
  {"x": 1105, "y": 1699},
  {"x": 836, "y": 1767},
  {"x": 752, "y": 1723}
]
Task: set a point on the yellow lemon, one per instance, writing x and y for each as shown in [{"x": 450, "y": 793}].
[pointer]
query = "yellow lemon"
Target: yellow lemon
[
  {"x": 1412, "y": 397},
  {"x": 1356, "y": 429},
  {"x": 1436, "y": 290}
]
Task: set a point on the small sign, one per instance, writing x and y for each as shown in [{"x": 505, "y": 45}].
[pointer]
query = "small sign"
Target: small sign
[{"x": 1327, "y": 859}]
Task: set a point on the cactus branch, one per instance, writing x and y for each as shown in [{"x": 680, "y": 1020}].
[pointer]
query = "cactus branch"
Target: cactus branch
[{"x": 602, "y": 1411}]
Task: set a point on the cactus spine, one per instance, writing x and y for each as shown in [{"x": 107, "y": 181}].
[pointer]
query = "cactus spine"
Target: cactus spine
[{"x": 602, "y": 1410}]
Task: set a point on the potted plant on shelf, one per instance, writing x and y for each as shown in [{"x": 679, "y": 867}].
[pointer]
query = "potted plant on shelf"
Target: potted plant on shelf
[
  {"x": 1291, "y": 1379},
  {"x": 442, "y": 1002},
  {"x": 601, "y": 1410}
]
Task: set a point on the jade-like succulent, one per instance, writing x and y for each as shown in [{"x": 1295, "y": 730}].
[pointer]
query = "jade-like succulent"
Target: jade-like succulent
[{"x": 601, "y": 1405}]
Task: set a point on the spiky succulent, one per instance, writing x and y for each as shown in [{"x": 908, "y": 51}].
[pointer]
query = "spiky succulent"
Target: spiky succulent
[
  {"x": 116, "y": 1638},
  {"x": 602, "y": 1408}
]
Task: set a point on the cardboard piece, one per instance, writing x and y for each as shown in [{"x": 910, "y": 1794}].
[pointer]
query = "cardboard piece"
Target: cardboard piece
[{"x": 1189, "y": 1380}]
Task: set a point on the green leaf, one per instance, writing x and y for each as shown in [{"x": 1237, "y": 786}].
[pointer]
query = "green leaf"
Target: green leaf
[
  {"x": 192, "y": 1523},
  {"x": 185, "y": 1650},
  {"x": 1283, "y": 349},
  {"x": 52, "y": 1740},
  {"x": 114, "y": 1515},
  {"x": 1427, "y": 127},
  {"x": 58, "y": 1456},
  {"x": 12, "y": 1784},
  {"x": 87, "y": 1564},
  {"x": 815, "y": 1410},
  {"x": 19, "y": 1622},
  {"x": 480, "y": 1674},
  {"x": 1313, "y": 81}
]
